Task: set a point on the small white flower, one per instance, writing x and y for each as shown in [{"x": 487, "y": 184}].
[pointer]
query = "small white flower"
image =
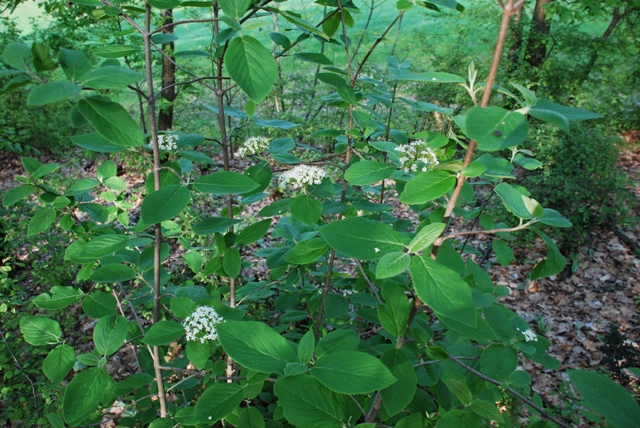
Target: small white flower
[
  {"x": 529, "y": 336},
  {"x": 301, "y": 176},
  {"x": 416, "y": 155},
  {"x": 201, "y": 324},
  {"x": 167, "y": 142},
  {"x": 376, "y": 250},
  {"x": 253, "y": 146}
]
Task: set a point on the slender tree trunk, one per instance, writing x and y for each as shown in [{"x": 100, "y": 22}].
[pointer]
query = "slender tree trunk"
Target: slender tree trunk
[
  {"x": 516, "y": 38},
  {"x": 536, "y": 52},
  {"x": 165, "y": 118},
  {"x": 615, "y": 20}
]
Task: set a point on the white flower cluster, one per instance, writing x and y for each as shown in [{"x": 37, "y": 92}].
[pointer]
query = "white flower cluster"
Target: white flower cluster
[
  {"x": 253, "y": 146},
  {"x": 417, "y": 155},
  {"x": 529, "y": 335},
  {"x": 201, "y": 324},
  {"x": 167, "y": 142},
  {"x": 302, "y": 175}
]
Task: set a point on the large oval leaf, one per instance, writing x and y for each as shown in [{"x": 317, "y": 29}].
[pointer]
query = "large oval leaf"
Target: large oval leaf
[
  {"x": 495, "y": 128},
  {"x": 164, "y": 204},
  {"x": 111, "y": 76},
  {"x": 83, "y": 395},
  {"x": 352, "y": 372},
  {"x": 217, "y": 401},
  {"x": 362, "y": 238},
  {"x": 251, "y": 66},
  {"x": 40, "y": 330},
  {"x": 309, "y": 404},
  {"x": 52, "y": 92},
  {"x": 58, "y": 363},
  {"x": 427, "y": 187},
  {"x": 368, "y": 172},
  {"x": 225, "y": 183},
  {"x": 256, "y": 346},
  {"x": 163, "y": 333},
  {"x": 111, "y": 121}
]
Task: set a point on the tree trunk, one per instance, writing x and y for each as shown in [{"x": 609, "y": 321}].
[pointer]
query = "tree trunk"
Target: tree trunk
[
  {"x": 165, "y": 117},
  {"x": 513, "y": 56},
  {"x": 536, "y": 52}
]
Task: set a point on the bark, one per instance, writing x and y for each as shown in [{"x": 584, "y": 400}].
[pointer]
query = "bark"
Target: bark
[
  {"x": 165, "y": 117},
  {"x": 536, "y": 52}
]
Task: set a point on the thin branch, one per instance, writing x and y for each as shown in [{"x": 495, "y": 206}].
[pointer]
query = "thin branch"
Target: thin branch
[
  {"x": 488, "y": 232},
  {"x": 186, "y": 21},
  {"x": 366, "y": 278},
  {"x": 511, "y": 391}
]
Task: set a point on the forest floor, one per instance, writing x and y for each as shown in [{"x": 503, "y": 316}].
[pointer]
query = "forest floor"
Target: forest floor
[{"x": 574, "y": 310}]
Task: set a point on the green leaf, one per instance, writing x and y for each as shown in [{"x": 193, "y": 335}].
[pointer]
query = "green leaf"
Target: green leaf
[
  {"x": 276, "y": 123},
  {"x": 427, "y": 186},
  {"x": 250, "y": 417},
  {"x": 232, "y": 262},
  {"x": 460, "y": 390},
  {"x": 367, "y": 172},
  {"x": 95, "y": 143},
  {"x": 495, "y": 128},
  {"x": 554, "y": 218},
  {"x": 136, "y": 380},
  {"x": 306, "y": 209},
  {"x": 217, "y": 401},
  {"x": 193, "y": 260},
  {"x": 17, "y": 55},
  {"x": 253, "y": 233},
  {"x": 456, "y": 418},
  {"x": 164, "y": 204},
  {"x": 104, "y": 245},
  {"x": 346, "y": 92},
  {"x": 198, "y": 353},
  {"x": 58, "y": 363},
  {"x": 428, "y": 77},
  {"x": 426, "y": 237},
  {"x": 527, "y": 163},
  {"x": 553, "y": 264},
  {"x": 41, "y": 220},
  {"x": 280, "y": 40},
  {"x": 392, "y": 264},
  {"x": 114, "y": 272},
  {"x": 163, "y": 332},
  {"x": 314, "y": 58},
  {"x": 109, "y": 334},
  {"x": 111, "y": 77},
  {"x": 111, "y": 121},
  {"x": 225, "y": 183},
  {"x": 572, "y": 114},
  {"x": 351, "y": 372},
  {"x": 256, "y": 346},
  {"x": 487, "y": 410},
  {"x": 443, "y": 290},
  {"x": 306, "y": 252},
  {"x": 513, "y": 200},
  {"x": 306, "y": 347},
  {"x": 52, "y": 92},
  {"x": 498, "y": 362},
  {"x": 251, "y": 66},
  {"x": 338, "y": 340},
  {"x": 99, "y": 304},
  {"x": 84, "y": 394},
  {"x": 60, "y": 298},
  {"x": 308, "y": 404},
  {"x": 276, "y": 208},
  {"x": 606, "y": 398},
  {"x": 294, "y": 19},
  {"x": 394, "y": 314},
  {"x": 40, "y": 331},
  {"x": 116, "y": 51},
  {"x": 97, "y": 212},
  {"x": 504, "y": 253},
  {"x": 235, "y": 8},
  {"x": 362, "y": 238},
  {"x": 74, "y": 64},
  {"x": 398, "y": 395},
  {"x": 212, "y": 225},
  {"x": 16, "y": 194},
  {"x": 41, "y": 57}
]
